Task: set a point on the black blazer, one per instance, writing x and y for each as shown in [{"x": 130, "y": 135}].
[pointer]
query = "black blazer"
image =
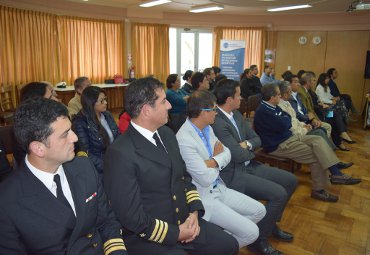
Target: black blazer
[
  {"x": 150, "y": 190},
  {"x": 34, "y": 222}
]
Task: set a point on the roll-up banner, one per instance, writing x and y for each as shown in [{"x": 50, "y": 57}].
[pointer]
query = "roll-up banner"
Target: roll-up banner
[{"x": 232, "y": 58}]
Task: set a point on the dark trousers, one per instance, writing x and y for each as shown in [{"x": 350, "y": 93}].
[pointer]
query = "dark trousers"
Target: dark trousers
[
  {"x": 338, "y": 125},
  {"x": 217, "y": 242},
  {"x": 271, "y": 184}
]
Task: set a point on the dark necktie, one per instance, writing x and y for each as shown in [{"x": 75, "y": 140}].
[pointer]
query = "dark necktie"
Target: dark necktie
[
  {"x": 158, "y": 142},
  {"x": 60, "y": 195},
  {"x": 299, "y": 102}
]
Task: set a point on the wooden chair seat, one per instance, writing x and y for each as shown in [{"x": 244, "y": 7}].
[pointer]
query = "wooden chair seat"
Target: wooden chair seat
[
  {"x": 282, "y": 163},
  {"x": 6, "y": 115}
]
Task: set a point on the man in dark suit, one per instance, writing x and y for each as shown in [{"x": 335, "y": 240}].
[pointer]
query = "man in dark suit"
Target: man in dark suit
[
  {"x": 148, "y": 185},
  {"x": 54, "y": 203},
  {"x": 261, "y": 182}
]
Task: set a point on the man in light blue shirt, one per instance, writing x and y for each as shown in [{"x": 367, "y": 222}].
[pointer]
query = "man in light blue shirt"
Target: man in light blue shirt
[{"x": 268, "y": 76}]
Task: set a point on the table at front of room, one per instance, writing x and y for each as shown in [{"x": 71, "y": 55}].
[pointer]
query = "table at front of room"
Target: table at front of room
[{"x": 115, "y": 94}]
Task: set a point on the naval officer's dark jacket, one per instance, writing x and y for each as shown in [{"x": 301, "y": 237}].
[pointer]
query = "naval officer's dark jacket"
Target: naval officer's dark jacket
[
  {"x": 150, "y": 190},
  {"x": 33, "y": 221}
]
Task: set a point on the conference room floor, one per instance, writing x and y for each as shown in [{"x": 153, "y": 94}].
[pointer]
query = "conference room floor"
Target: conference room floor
[{"x": 332, "y": 228}]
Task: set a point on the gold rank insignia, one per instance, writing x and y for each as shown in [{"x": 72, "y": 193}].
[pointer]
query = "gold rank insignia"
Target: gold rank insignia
[
  {"x": 114, "y": 244},
  {"x": 159, "y": 232},
  {"x": 192, "y": 196}
]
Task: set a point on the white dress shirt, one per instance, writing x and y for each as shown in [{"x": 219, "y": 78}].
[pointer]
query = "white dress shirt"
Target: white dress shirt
[
  {"x": 324, "y": 96},
  {"x": 231, "y": 118},
  {"x": 105, "y": 125},
  {"x": 147, "y": 134},
  {"x": 48, "y": 180},
  {"x": 294, "y": 95}
]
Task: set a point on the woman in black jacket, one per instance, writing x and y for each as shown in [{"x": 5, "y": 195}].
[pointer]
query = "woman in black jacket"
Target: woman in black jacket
[{"x": 94, "y": 126}]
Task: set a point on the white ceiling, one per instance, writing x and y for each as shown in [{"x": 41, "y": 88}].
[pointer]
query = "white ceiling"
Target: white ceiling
[{"x": 240, "y": 7}]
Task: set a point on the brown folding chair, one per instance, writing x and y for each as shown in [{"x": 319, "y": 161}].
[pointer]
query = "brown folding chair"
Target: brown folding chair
[
  {"x": 252, "y": 104},
  {"x": 7, "y": 105},
  {"x": 243, "y": 107},
  {"x": 8, "y": 143}
]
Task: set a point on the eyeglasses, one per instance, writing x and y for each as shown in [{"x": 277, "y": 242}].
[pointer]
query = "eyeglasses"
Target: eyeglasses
[
  {"x": 103, "y": 100},
  {"x": 209, "y": 109}
]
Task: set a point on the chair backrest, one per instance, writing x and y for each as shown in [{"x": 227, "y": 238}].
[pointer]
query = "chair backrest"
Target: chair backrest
[
  {"x": 19, "y": 88},
  {"x": 6, "y": 98},
  {"x": 253, "y": 103},
  {"x": 243, "y": 106},
  {"x": 7, "y": 138}
]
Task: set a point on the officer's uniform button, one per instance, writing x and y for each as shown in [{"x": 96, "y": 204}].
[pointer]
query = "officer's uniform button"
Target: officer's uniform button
[{"x": 174, "y": 197}]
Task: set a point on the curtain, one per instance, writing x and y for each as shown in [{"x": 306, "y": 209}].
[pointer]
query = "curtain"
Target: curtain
[
  {"x": 38, "y": 46},
  {"x": 254, "y": 48},
  {"x": 150, "y": 50},
  {"x": 92, "y": 48},
  {"x": 28, "y": 46}
]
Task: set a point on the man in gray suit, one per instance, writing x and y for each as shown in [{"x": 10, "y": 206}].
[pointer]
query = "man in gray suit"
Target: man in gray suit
[{"x": 245, "y": 175}]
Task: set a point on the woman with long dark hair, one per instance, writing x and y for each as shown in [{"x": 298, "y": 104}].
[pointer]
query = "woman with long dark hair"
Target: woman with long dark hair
[
  {"x": 323, "y": 90},
  {"x": 94, "y": 126},
  {"x": 338, "y": 119}
]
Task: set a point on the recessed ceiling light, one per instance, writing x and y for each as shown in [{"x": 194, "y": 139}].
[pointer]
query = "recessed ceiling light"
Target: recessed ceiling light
[
  {"x": 154, "y": 3},
  {"x": 206, "y": 8},
  {"x": 287, "y": 8}
]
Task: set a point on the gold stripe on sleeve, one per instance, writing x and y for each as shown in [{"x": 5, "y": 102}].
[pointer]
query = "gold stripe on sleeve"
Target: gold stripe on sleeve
[
  {"x": 115, "y": 248},
  {"x": 159, "y": 233},
  {"x": 164, "y": 233},
  {"x": 155, "y": 230},
  {"x": 114, "y": 240}
]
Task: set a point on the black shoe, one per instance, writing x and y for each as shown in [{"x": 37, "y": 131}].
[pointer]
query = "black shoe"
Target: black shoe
[
  {"x": 342, "y": 165},
  {"x": 282, "y": 235},
  {"x": 344, "y": 179},
  {"x": 263, "y": 247},
  {"x": 323, "y": 195}
]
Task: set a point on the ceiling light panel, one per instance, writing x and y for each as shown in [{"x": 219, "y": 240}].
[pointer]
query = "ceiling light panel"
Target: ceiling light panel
[
  {"x": 154, "y": 3},
  {"x": 206, "y": 8},
  {"x": 287, "y": 8}
]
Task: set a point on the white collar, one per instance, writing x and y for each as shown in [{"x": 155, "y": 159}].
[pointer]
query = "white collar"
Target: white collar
[
  {"x": 228, "y": 115},
  {"x": 144, "y": 132},
  {"x": 45, "y": 177},
  {"x": 273, "y": 106}
]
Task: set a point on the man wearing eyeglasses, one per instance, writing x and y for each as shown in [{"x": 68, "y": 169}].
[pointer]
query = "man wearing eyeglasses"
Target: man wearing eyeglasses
[{"x": 205, "y": 157}]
